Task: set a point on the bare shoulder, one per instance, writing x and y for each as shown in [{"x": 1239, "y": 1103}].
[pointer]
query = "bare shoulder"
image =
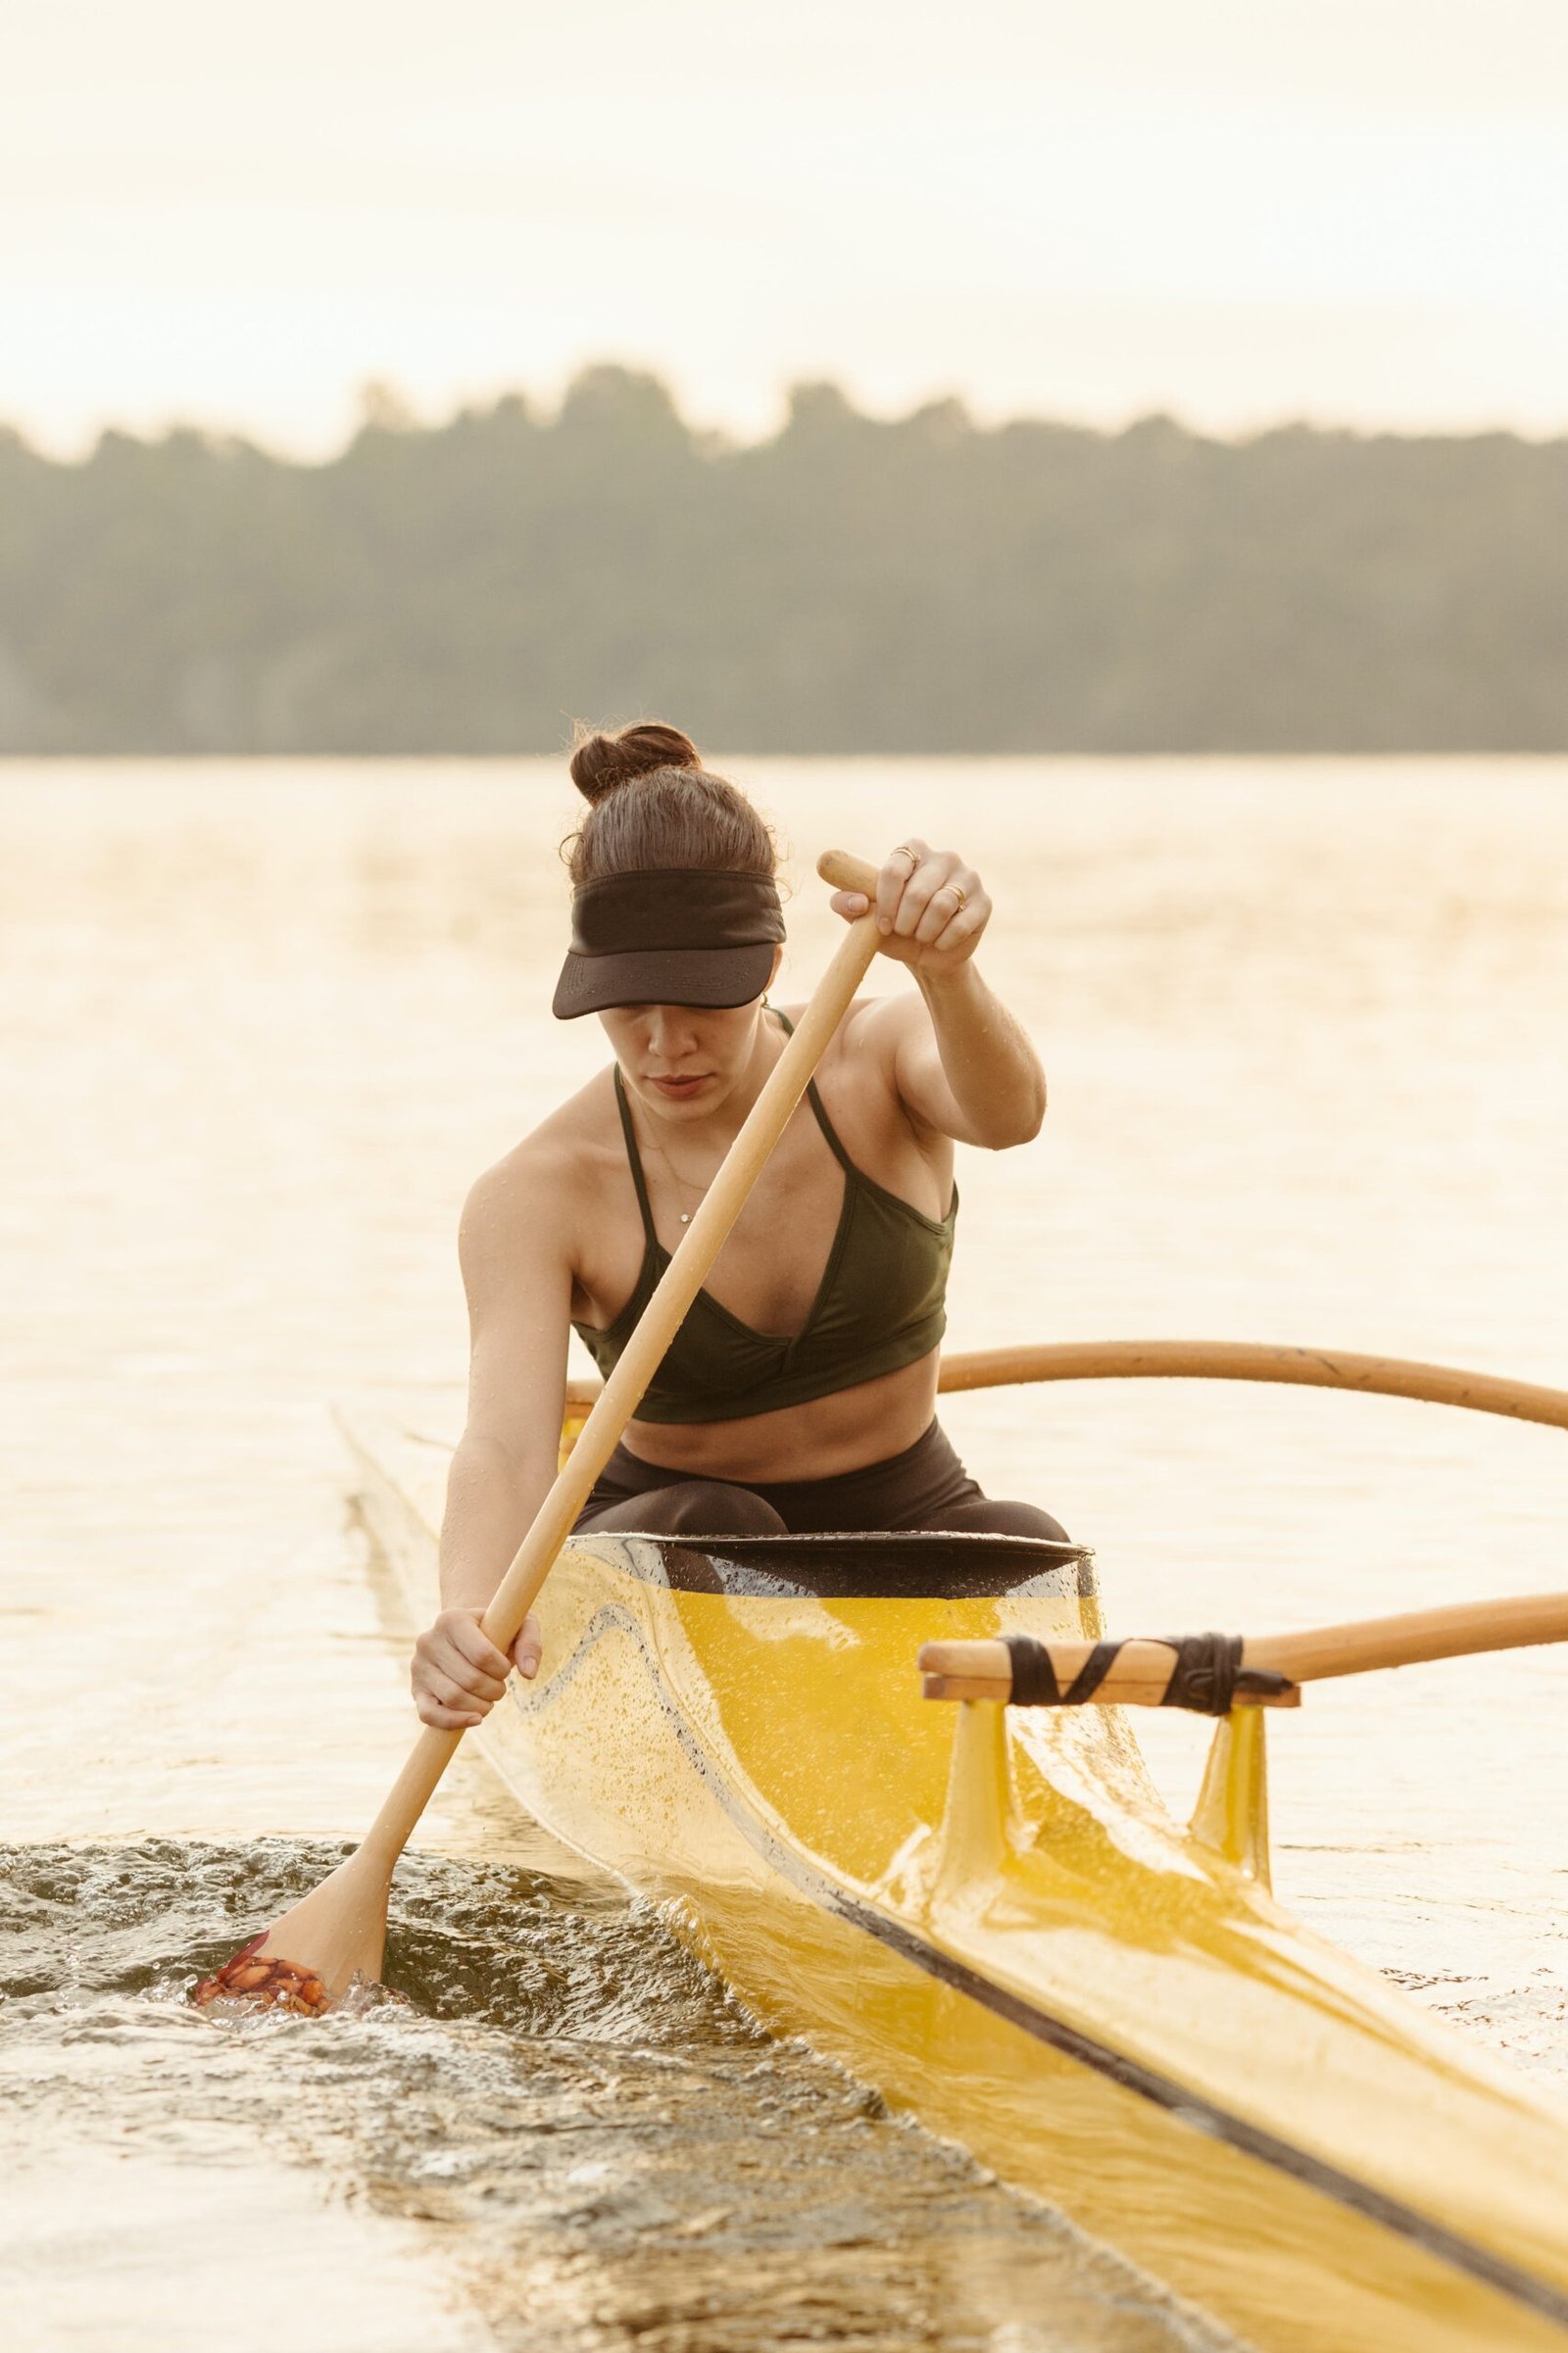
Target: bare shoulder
[
  {"x": 870, "y": 1034},
  {"x": 862, "y": 1077},
  {"x": 531, "y": 1201}
]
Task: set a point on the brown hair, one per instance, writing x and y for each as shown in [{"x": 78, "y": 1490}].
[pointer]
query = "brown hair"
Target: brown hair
[{"x": 678, "y": 815}]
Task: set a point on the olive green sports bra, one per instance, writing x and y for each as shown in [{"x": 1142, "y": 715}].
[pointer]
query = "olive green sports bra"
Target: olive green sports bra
[{"x": 879, "y": 1306}]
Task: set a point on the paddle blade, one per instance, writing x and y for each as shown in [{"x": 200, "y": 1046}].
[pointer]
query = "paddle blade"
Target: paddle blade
[
  {"x": 264, "y": 1984},
  {"x": 331, "y": 1941}
]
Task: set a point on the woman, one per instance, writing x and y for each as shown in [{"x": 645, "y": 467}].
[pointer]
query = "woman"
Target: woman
[{"x": 800, "y": 1393}]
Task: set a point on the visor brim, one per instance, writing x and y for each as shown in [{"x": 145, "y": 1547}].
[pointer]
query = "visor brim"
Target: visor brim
[{"x": 714, "y": 979}]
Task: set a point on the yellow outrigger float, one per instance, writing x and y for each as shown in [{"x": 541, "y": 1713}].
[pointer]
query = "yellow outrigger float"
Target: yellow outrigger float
[{"x": 986, "y": 1912}]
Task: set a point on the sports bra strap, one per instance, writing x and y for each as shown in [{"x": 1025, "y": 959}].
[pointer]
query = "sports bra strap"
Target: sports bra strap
[
  {"x": 636, "y": 1159},
  {"x": 829, "y": 1131}
]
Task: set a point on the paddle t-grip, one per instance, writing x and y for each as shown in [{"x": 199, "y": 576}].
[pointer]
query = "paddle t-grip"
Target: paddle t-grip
[{"x": 846, "y": 873}]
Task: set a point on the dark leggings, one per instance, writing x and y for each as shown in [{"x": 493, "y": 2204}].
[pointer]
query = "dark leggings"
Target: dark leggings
[{"x": 925, "y": 1488}]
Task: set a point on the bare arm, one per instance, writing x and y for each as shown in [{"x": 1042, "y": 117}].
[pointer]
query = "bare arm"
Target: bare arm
[
  {"x": 960, "y": 1063},
  {"x": 970, "y": 1071},
  {"x": 517, "y": 1274}
]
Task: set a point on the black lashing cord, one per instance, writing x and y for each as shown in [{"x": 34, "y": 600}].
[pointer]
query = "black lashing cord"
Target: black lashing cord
[{"x": 1206, "y": 1676}]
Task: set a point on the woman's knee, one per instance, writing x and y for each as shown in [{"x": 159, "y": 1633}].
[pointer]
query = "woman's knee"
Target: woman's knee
[{"x": 691, "y": 1508}]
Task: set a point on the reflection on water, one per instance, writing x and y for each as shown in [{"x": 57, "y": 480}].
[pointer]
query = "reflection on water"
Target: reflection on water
[{"x": 259, "y": 1026}]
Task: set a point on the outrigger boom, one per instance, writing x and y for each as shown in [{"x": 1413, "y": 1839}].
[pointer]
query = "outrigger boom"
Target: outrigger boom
[{"x": 1211, "y": 1673}]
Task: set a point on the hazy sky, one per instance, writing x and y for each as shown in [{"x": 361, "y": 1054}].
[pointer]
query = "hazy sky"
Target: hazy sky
[{"x": 1240, "y": 209}]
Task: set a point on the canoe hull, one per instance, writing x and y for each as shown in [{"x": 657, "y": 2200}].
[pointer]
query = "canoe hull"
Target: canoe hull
[{"x": 990, "y": 1919}]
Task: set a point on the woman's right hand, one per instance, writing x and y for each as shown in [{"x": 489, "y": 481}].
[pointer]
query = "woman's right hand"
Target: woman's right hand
[{"x": 457, "y": 1674}]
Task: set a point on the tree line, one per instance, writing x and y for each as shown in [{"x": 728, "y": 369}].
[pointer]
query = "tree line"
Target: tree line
[{"x": 850, "y": 584}]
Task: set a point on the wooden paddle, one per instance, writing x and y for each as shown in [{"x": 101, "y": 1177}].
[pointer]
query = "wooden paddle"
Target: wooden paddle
[
  {"x": 1141, "y": 1672},
  {"x": 337, "y": 1934}
]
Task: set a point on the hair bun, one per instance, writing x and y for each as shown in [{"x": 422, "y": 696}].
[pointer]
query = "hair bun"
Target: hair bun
[{"x": 601, "y": 764}]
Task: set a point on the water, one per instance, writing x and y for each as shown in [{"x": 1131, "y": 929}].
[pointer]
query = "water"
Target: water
[
  {"x": 258, "y": 1028},
  {"x": 563, "y": 2103}
]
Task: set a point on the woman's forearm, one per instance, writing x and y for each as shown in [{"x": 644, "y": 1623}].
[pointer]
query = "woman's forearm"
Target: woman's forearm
[
  {"x": 993, "y": 1070},
  {"x": 492, "y": 1497}
]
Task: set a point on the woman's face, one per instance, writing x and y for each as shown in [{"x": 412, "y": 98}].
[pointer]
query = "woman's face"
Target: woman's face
[{"x": 682, "y": 1060}]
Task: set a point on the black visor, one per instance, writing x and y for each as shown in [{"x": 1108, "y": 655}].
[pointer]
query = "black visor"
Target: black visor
[{"x": 669, "y": 936}]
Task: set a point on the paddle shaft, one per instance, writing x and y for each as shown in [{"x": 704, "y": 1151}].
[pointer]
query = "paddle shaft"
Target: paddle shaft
[
  {"x": 1141, "y": 1670},
  {"x": 662, "y": 1318}
]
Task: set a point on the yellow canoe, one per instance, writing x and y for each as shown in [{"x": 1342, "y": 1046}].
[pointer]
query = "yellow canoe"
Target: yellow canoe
[{"x": 989, "y": 1916}]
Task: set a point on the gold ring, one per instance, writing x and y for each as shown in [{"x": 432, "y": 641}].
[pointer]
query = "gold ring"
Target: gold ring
[
  {"x": 904, "y": 851},
  {"x": 962, "y": 896}
]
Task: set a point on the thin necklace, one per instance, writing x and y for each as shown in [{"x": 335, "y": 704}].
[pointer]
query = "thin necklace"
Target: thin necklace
[{"x": 701, "y": 1191}]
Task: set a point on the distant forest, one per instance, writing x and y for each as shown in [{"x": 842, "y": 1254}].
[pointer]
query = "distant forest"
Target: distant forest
[{"x": 849, "y": 585}]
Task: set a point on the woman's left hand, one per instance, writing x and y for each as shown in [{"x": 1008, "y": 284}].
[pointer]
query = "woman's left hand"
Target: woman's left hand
[{"x": 931, "y": 909}]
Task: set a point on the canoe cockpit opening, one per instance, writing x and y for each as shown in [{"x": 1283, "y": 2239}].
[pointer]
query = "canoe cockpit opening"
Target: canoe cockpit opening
[{"x": 917, "y": 1566}]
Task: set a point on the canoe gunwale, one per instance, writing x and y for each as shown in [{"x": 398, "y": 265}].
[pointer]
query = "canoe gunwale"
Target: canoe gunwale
[{"x": 917, "y": 1565}]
